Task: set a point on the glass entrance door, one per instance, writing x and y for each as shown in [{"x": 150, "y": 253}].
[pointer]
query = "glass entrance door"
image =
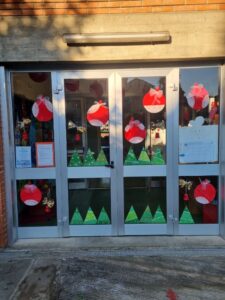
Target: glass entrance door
[
  {"x": 86, "y": 101},
  {"x": 147, "y": 105},
  {"x": 116, "y": 160}
]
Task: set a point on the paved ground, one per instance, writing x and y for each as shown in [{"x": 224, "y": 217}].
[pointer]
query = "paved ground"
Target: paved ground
[{"x": 48, "y": 271}]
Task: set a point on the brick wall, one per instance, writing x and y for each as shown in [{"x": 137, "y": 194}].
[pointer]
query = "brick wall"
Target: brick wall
[
  {"x": 88, "y": 7},
  {"x": 3, "y": 227}
]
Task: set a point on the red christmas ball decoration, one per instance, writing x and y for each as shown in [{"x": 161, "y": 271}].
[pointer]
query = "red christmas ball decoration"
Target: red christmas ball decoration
[
  {"x": 25, "y": 136},
  {"x": 186, "y": 197},
  {"x": 38, "y": 76},
  {"x": 42, "y": 109},
  {"x": 154, "y": 101},
  {"x": 30, "y": 195},
  {"x": 77, "y": 137},
  {"x": 135, "y": 132},
  {"x": 205, "y": 192},
  {"x": 198, "y": 97},
  {"x": 47, "y": 209},
  {"x": 98, "y": 114}
]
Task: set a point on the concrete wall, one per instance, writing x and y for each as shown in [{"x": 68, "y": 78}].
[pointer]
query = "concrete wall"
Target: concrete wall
[{"x": 195, "y": 35}]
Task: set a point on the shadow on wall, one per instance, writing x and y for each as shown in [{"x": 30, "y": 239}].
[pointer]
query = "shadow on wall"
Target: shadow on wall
[{"x": 26, "y": 38}]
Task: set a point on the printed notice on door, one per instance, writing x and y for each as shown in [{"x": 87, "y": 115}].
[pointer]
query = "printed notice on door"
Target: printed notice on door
[
  {"x": 45, "y": 154},
  {"x": 198, "y": 144},
  {"x": 23, "y": 157}
]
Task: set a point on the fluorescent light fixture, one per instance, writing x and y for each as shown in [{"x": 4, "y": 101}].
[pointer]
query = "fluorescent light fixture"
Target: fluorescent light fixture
[{"x": 117, "y": 38}]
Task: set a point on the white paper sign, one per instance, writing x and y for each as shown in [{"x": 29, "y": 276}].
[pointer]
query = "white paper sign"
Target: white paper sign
[
  {"x": 23, "y": 157},
  {"x": 45, "y": 154},
  {"x": 198, "y": 144}
]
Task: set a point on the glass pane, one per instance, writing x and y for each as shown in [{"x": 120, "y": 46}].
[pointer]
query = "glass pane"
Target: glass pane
[
  {"x": 198, "y": 198},
  {"x": 36, "y": 202},
  {"x": 89, "y": 201},
  {"x": 33, "y": 119},
  {"x": 199, "y": 115},
  {"x": 144, "y": 120},
  {"x": 87, "y": 119},
  {"x": 145, "y": 200}
]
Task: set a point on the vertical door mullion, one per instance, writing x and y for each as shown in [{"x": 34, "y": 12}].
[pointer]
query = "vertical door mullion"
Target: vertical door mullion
[
  {"x": 172, "y": 151},
  {"x": 60, "y": 153},
  {"x": 112, "y": 147},
  {"x": 63, "y": 154},
  {"x": 119, "y": 182}
]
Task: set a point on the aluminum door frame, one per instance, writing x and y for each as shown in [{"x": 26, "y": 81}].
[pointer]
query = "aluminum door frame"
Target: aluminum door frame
[
  {"x": 8, "y": 173},
  {"x": 34, "y": 173},
  {"x": 170, "y": 170},
  {"x": 202, "y": 170},
  {"x": 88, "y": 172}
]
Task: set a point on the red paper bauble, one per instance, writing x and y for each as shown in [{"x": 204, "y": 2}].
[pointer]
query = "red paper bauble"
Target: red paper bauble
[
  {"x": 198, "y": 97},
  {"x": 38, "y": 76},
  {"x": 98, "y": 114},
  {"x": 42, "y": 109},
  {"x": 205, "y": 192},
  {"x": 30, "y": 195},
  {"x": 154, "y": 101},
  {"x": 135, "y": 132}
]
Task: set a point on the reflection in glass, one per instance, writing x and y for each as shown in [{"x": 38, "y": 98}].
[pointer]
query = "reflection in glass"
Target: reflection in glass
[
  {"x": 32, "y": 114},
  {"x": 199, "y": 115},
  {"x": 198, "y": 200},
  {"x": 144, "y": 120},
  {"x": 36, "y": 202},
  {"x": 87, "y": 119},
  {"x": 145, "y": 200},
  {"x": 89, "y": 201}
]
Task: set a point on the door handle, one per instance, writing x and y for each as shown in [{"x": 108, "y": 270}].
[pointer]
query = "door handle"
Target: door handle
[{"x": 111, "y": 165}]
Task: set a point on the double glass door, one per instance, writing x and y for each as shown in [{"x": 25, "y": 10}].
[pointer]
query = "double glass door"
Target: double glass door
[{"x": 135, "y": 153}]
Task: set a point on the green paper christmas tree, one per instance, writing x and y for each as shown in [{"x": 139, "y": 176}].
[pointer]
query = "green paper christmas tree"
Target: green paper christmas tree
[
  {"x": 76, "y": 219},
  {"x": 131, "y": 158},
  {"x": 144, "y": 158},
  {"x": 186, "y": 217},
  {"x": 75, "y": 160},
  {"x": 157, "y": 158},
  {"x": 131, "y": 217},
  {"x": 89, "y": 159},
  {"x": 90, "y": 218},
  {"x": 103, "y": 217},
  {"x": 146, "y": 218},
  {"x": 101, "y": 159},
  {"x": 158, "y": 217}
]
